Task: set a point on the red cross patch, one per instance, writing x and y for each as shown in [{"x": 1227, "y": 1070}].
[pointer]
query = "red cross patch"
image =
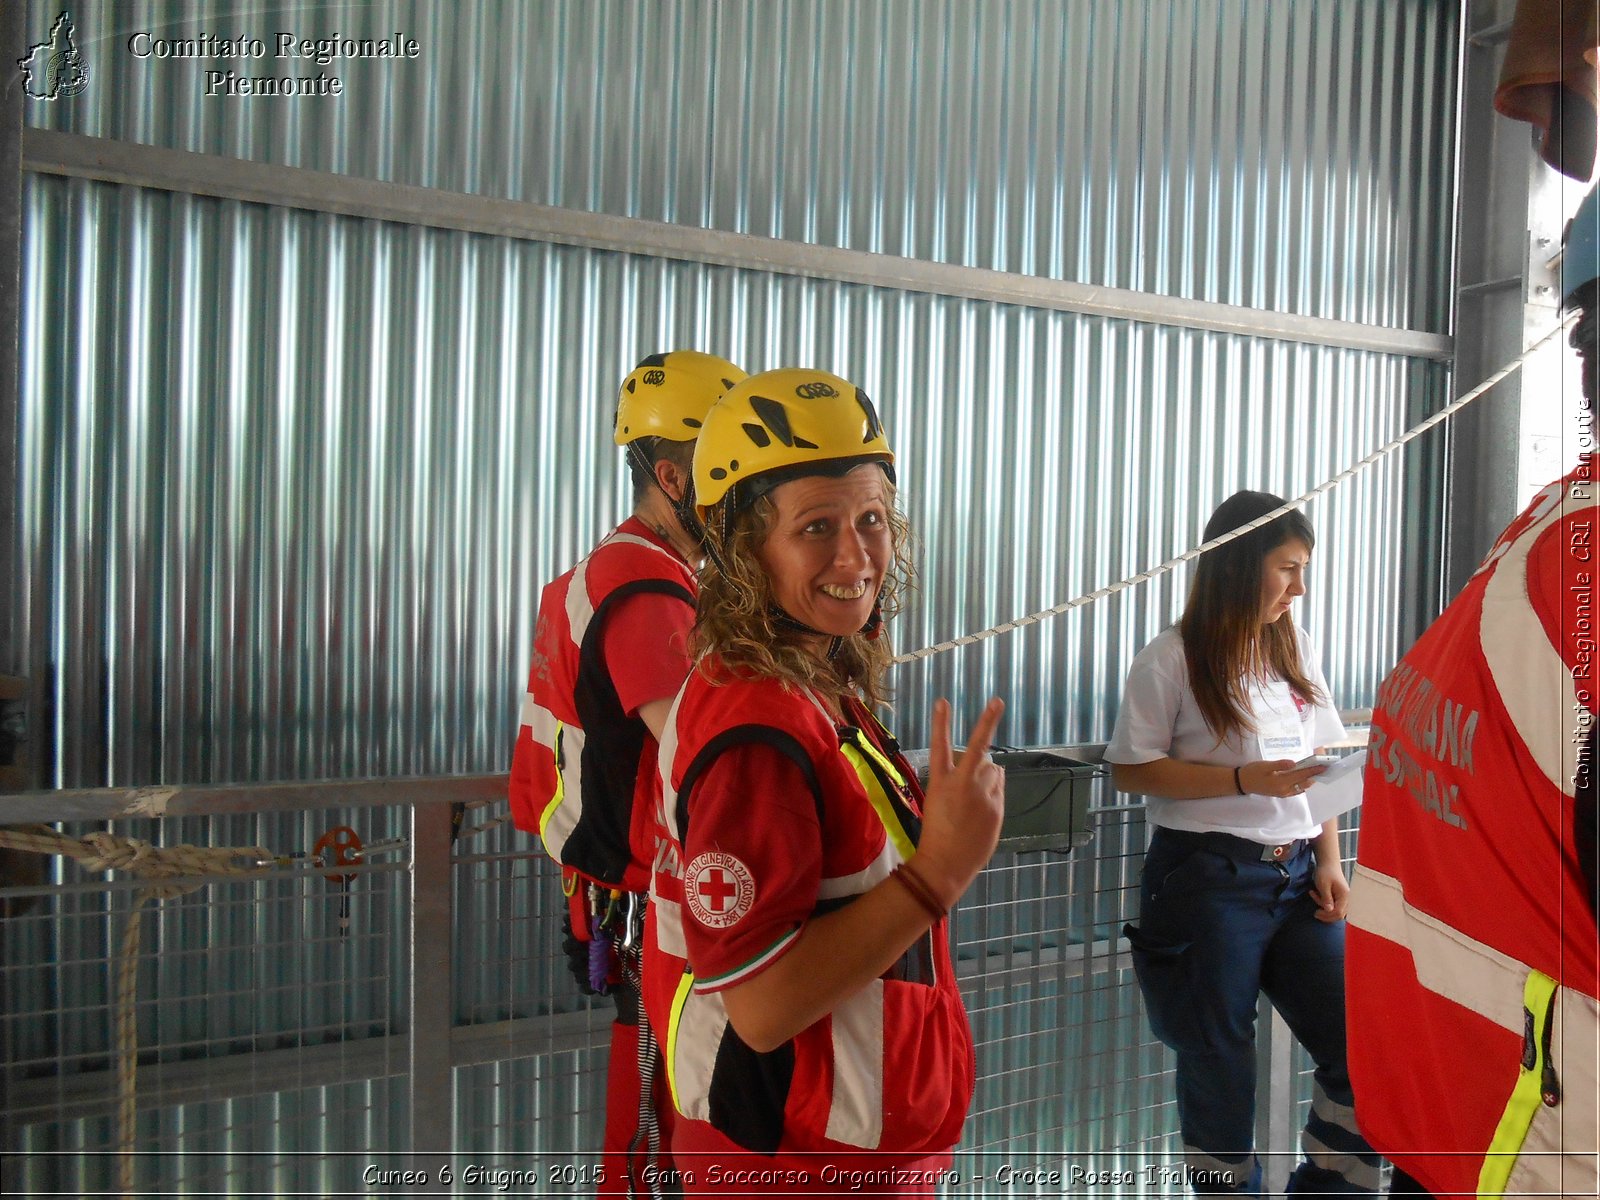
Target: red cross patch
[{"x": 719, "y": 889}]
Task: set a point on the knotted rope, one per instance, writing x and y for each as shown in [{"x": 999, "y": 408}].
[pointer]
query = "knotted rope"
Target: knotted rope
[{"x": 107, "y": 851}]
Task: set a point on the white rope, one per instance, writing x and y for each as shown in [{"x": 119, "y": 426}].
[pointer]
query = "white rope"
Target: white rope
[
  {"x": 106, "y": 851},
  {"x": 1443, "y": 414}
]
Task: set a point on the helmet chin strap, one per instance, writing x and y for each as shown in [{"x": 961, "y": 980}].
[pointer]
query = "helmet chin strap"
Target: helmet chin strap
[
  {"x": 784, "y": 621},
  {"x": 870, "y": 630},
  {"x": 682, "y": 507}
]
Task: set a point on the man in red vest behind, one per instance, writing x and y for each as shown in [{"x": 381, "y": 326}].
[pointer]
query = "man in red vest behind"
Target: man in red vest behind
[
  {"x": 611, "y": 650},
  {"x": 1472, "y": 953}
]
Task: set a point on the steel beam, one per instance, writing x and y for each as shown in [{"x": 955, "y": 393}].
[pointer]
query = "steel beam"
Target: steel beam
[{"x": 78, "y": 156}]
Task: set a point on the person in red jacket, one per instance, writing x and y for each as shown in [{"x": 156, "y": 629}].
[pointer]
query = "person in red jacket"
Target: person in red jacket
[
  {"x": 610, "y": 650},
  {"x": 800, "y": 969},
  {"x": 1472, "y": 967}
]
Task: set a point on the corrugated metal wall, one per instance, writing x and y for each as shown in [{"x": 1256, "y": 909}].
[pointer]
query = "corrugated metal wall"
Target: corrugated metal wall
[
  {"x": 292, "y": 480},
  {"x": 1290, "y": 156}
]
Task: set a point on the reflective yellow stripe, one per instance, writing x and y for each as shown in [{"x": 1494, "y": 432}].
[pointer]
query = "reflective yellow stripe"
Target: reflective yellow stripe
[
  {"x": 882, "y": 760},
  {"x": 555, "y": 800},
  {"x": 854, "y": 753},
  {"x": 1525, "y": 1097},
  {"x": 1536, "y": 1149},
  {"x": 679, "y": 999}
]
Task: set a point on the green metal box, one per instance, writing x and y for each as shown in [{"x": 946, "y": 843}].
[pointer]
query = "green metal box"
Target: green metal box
[
  {"x": 1047, "y": 797},
  {"x": 1047, "y": 800}
]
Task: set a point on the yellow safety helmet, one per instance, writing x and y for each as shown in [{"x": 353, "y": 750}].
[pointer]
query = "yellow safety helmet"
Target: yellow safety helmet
[
  {"x": 668, "y": 395},
  {"x": 782, "y": 425}
]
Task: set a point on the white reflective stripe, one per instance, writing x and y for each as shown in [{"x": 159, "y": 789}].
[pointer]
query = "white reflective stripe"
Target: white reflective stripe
[
  {"x": 633, "y": 539},
  {"x": 1448, "y": 962},
  {"x": 669, "y": 927},
  {"x": 819, "y": 706},
  {"x": 697, "y": 1037},
  {"x": 1575, "y": 1051},
  {"x": 579, "y": 609},
  {"x": 1565, "y": 1138},
  {"x": 1533, "y": 682},
  {"x": 1558, "y": 1156},
  {"x": 559, "y": 820},
  {"x": 863, "y": 880},
  {"x": 576, "y": 601},
  {"x": 1324, "y": 1108},
  {"x": 540, "y": 720},
  {"x": 665, "y": 753},
  {"x": 1353, "y": 1169},
  {"x": 855, "y": 1113}
]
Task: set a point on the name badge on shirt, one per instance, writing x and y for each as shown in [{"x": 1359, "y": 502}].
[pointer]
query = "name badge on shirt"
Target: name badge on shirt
[{"x": 1279, "y": 728}]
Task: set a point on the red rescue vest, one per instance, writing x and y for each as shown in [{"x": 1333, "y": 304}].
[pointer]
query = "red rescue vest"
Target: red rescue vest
[
  {"x": 583, "y": 775},
  {"x": 890, "y": 1069},
  {"x": 1472, "y": 949}
]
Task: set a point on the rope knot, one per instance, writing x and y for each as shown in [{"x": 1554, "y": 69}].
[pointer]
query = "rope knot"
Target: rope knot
[{"x": 112, "y": 853}]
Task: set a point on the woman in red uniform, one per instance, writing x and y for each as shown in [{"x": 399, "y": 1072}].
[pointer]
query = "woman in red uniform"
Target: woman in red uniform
[{"x": 799, "y": 956}]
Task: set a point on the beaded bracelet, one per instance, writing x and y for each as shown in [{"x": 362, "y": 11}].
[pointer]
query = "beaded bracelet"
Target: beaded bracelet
[{"x": 919, "y": 889}]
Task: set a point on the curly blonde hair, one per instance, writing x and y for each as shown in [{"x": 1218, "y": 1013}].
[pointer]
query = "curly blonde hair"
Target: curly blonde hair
[{"x": 734, "y": 615}]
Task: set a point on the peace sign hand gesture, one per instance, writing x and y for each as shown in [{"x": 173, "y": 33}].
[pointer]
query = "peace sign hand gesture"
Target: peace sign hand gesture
[{"x": 964, "y": 804}]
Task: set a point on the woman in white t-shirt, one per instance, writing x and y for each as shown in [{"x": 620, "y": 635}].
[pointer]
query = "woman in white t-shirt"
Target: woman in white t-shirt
[{"x": 1242, "y": 893}]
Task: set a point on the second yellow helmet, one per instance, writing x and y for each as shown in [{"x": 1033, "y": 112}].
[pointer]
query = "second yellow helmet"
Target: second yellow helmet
[{"x": 667, "y": 395}]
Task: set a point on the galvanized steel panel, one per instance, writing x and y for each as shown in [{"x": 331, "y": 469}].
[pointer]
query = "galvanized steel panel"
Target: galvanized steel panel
[
  {"x": 293, "y": 481},
  {"x": 1292, "y": 157}
]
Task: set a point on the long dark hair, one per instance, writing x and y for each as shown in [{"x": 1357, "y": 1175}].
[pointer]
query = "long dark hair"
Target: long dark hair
[{"x": 1224, "y": 641}]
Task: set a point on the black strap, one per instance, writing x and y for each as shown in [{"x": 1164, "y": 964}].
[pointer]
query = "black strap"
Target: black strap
[
  {"x": 598, "y": 846},
  {"x": 910, "y": 823},
  {"x": 745, "y": 735}
]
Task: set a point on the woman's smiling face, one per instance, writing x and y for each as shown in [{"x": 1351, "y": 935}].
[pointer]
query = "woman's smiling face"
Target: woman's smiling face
[{"x": 828, "y": 548}]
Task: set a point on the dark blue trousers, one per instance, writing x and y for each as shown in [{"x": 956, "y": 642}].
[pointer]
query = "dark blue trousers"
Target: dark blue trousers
[{"x": 1217, "y": 927}]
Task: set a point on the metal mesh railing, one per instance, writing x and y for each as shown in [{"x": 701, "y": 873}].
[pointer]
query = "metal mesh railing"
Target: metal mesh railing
[
  {"x": 275, "y": 1049},
  {"x": 261, "y": 1030}
]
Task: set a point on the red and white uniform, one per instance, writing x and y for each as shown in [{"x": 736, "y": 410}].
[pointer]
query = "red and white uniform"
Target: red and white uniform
[
  {"x": 1472, "y": 965},
  {"x": 612, "y": 635},
  {"x": 773, "y": 814}
]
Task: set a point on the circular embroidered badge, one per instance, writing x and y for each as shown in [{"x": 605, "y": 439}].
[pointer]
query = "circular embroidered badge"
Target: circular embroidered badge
[{"x": 719, "y": 889}]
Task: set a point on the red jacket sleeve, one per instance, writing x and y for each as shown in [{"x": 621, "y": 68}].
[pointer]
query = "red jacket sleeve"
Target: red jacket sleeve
[
  {"x": 753, "y": 857},
  {"x": 646, "y": 648}
]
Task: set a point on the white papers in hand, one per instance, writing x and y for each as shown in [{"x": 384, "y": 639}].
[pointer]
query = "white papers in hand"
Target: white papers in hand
[{"x": 1338, "y": 789}]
